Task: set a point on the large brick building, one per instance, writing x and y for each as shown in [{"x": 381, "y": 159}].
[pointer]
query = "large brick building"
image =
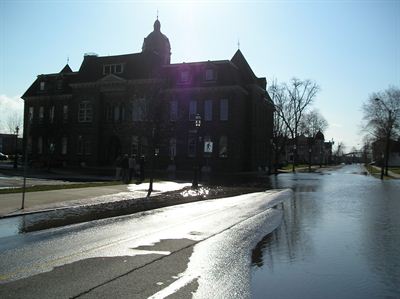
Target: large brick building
[{"x": 134, "y": 103}]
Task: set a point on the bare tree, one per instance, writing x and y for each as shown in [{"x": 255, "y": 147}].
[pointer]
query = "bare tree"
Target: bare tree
[
  {"x": 313, "y": 122},
  {"x": 292, "y": 101},
  {"x": 280, "y": 131},
  {"x": 13, "y": 121},
  {"x": 338, "y": 152},
  {"x": 382, "y": 119}
]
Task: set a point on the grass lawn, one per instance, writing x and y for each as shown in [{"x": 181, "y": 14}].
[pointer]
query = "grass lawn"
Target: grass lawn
[
  {"x": 289, "y": 166},
  {"x": 395, "y": 169},
  {"x": 372, "y": 170},
  {"x": 58, "y": 187},
  {"x": 376, "y": 171}
]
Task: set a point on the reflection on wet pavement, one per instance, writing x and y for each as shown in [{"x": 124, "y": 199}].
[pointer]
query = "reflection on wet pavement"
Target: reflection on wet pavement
[{"x": 339, "y": 241}]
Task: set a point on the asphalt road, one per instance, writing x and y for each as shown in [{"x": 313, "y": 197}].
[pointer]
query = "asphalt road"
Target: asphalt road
[{"x": 200, "y": 248}]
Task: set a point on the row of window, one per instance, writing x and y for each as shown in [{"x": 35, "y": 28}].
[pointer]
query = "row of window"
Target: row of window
[
  {"x": 208, "y": 110},
  {"x": 84, "y": 146},
  {"x": 116, "y": 68},
  {"x": 138, "y": 146},
  {"x": 138, "y": 112},
  {"x": 59, "y": 85},
  {"x": 51, "y": 113},
  {"x": 185, "y": 76}
]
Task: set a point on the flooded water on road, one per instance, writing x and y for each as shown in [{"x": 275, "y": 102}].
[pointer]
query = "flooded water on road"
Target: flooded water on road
[{"x": 339, "y": 238}]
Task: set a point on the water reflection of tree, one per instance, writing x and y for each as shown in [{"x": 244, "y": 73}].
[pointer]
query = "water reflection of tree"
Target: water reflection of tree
[
  {"x": 381, "y": 233},
  {"x": 292, "y": 240}
]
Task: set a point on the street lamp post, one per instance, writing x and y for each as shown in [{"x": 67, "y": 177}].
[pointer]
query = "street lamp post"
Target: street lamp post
[
  {"x": 197, "y": 124},
  {"x": 294, "y": 156},
  {"x": 16, "y": 147},
  {"x": 385, "y": 161}
]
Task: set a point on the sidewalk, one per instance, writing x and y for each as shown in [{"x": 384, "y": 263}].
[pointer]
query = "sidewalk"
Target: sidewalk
[
  {"x": 10, "y": 204},
  {"x": 390, "y": 173}
]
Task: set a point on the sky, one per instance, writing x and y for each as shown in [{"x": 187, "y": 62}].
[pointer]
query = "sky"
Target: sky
[{"x": 349, "y": 48}]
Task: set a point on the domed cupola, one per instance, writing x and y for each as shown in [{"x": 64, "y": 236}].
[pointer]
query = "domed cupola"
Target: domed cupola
[
  {"x": 319, "y": 135},
  {"x": 158, "y": 43}
]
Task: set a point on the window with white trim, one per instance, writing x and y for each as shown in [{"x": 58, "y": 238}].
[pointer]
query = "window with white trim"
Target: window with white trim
[
  {"x": 116, "y": 68},
  {"x": 31, "y": 110},
  {"x": 84, "y": 146},
  {"x": 224, "y": 109},
  {"x": 85, "y": 113},
  {"x": 192, "y": 109},
  {"x": 208, "y": 110},
  {"x": 139, "y": 109},
  {"x": 172, "y": 148},
  {"x": 40, "y": 145},
  {"x": 64, "y": 145},
  {"x": 51, "y": 114},
  {"x": 41, "y": 113},
  {"x": 116, "y": 113},
  {"x": 184, "y": 76},
  {"x": 210, "y": 75},
  {"x": 42, "y": 85},
  {"x": 173, "y": 110},
  {"x": 65, "y": 113}
]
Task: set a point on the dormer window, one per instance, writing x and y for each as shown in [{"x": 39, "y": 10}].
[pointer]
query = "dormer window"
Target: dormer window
[
  {"x": 210, "y": 75},
  {"x": 42, "y": 85},
  {"x": 184, "y": 76},
  {"x": 113, "y": 68}
]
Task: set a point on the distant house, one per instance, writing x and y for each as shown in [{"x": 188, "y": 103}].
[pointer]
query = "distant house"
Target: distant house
[
  {"x": 310, "y": 150},
  {"x": 141, "y": 103},
  {"x": 7, "y": 144},
  {"x": 378, "y": 150}
]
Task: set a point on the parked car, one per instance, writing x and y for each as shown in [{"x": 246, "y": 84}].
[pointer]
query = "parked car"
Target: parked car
[{"x": 3, "y": 156}]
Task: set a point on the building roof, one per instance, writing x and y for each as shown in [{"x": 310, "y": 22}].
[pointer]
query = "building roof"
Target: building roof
[
  {"x": 66, "y": 69},
  {"x": 241, "y": 62},
  {"x": 150, "y": 63},
  {"x": 319, "y": 135},
  {"x": 135, "y": 66},
  {"x": 156, "y": 41}
]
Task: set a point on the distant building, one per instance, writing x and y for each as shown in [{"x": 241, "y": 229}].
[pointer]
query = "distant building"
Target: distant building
[
  {"x": 7, "y": 144},
  {"x": 378, "y": 150},
  {"x": 310, "y": 150},
  {"x": 138, "y": 103}
]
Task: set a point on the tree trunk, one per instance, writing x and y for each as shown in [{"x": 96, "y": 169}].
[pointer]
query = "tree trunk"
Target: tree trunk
[{"x": 387, "y": 155}]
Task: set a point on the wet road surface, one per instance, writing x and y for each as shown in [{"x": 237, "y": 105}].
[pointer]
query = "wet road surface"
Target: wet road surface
[
  {"x": 202, "y": 247},
  {"x": 339, "y": 238}
]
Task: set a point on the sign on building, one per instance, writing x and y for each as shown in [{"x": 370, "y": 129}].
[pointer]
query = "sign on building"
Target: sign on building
[{"x": 208, "y": 146}]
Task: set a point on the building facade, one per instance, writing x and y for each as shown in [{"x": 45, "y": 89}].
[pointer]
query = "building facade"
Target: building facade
[
  {"x": 310, "y": 150},
  {"x": 141, "y": 104},
  {"x": 10, "y": 144}
]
